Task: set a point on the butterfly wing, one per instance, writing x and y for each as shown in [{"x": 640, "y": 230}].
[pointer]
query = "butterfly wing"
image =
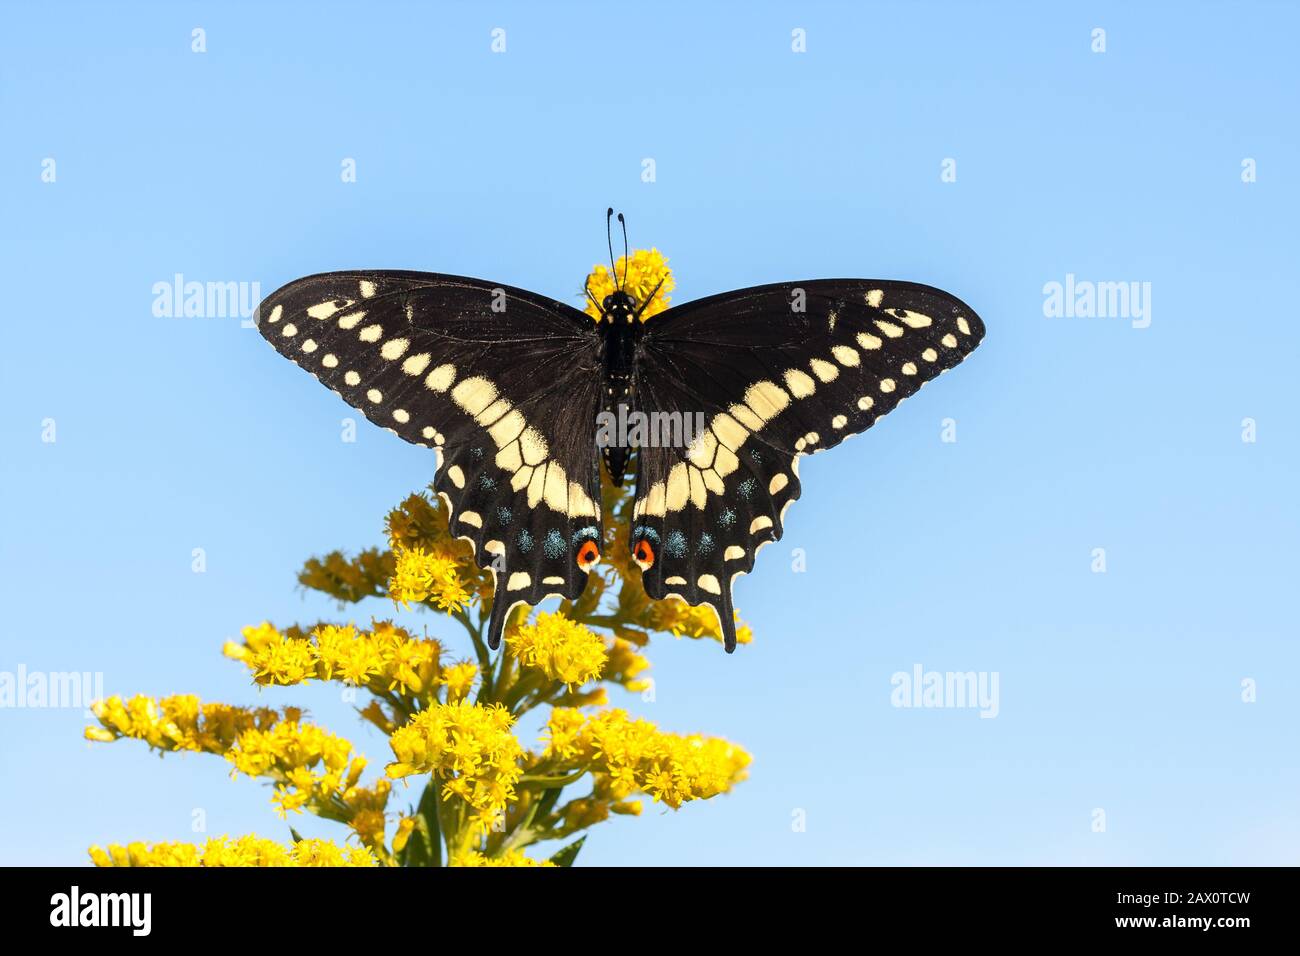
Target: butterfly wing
[
  {"x": 503, "y": 384},
  {"x": 769, "y": 374}
]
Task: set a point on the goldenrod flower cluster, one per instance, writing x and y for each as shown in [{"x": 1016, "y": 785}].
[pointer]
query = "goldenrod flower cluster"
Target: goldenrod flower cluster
[
  {"x": 682, "y": 620},
  {"x": 637, "y": 756},
  {"x": 349, "y": 579},
  {"x": 385, "y": 658},
  {"x": 508, "y": 858},
  {"x": 310, "y": 767},
  {"x": 180, "y": 722},
  {"x": 562, "y": 649},
  {"x": 223, "y": 851},
  {"x": 470, "y": 747},
  {"x": 645, "y": 269},
  {"x": 459, "y": 680},
  {"x": 429, "y": 565},
  {"x": 306, "y": 762},
  {"x": 624, "y": 663},
  {"x": 427, "y": 576},
  {"x": 481, "y": 796}
]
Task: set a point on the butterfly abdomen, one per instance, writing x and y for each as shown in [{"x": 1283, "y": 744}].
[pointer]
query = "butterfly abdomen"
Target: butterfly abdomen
[{"x": 619, "y": 334}]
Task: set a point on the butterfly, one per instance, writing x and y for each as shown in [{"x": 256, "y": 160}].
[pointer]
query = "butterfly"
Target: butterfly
[{"x": 518, "y": 394}]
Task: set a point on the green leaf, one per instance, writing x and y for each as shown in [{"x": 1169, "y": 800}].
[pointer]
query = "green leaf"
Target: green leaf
[
  {"x": 297, "y": 837},
  {"x": 424, "y": 848},
  {"x": 416, "y": 851},
  {"x": 567, "y": 854}
]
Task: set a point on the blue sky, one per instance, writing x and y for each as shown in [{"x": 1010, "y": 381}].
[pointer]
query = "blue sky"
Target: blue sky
[{"x": 1119, "y": 691}]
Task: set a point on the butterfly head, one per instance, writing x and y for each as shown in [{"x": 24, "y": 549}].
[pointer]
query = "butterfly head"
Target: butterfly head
[{"x": 618, "y": 306}]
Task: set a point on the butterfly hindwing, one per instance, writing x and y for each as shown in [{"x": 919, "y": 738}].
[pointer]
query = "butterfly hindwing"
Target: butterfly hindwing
[
  {"x": 774, "y": 372},
  {"x": 453, "y": 364}
]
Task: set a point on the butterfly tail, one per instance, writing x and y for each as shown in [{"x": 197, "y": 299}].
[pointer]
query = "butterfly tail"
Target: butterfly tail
[
  {"x": 727, "y": 620},
  {"x": 500, "y": 610}
]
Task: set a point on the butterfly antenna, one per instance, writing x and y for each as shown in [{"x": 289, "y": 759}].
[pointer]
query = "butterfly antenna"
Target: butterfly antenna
[
  {"x": 586, "y": 287},
  {"x": 609, "y": 240},
  {"x": 622, "y": 222},
  {"x": 650, "y": 298}
]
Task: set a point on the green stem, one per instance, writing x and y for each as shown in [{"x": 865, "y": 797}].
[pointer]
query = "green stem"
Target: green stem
[
  {"x": 399, "y": 706},
  {"x": 480, "y": 650},
  {"x": 431, "y": 811},
  {"x": 599, "y": 620},
  {"x": 504, "y": 674},
  {"x": 543, "y": 781},
  {"x": 522, "y": 687},
  {"x": 523, "y": 835},
  {"x": 517, "y": 835}
]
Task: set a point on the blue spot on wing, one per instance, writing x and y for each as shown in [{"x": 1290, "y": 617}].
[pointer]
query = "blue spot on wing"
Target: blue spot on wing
[
  {"x": 675, "y": 544},
  {"x": 705, "y": 547},
  {"x": 525, "y": 541},
  {"x": 585, "y": 532},
  {"x": 727, "y": 518},
  {"x": 553, "y": 547}
]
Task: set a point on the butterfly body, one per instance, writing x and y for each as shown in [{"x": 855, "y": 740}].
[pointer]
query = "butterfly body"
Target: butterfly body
[
  {"x": 620, "y": 334},
  {"x": 508, "y": 387}
]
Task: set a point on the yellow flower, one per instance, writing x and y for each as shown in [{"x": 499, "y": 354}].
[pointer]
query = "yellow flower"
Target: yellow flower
[
  {"x": 564, "y": 731},
  {"x": 509, "y": 858},
  {"x": 676, "y": 616},
  {"x": 224, "y": 852},
  {"x": 386, "y": 659},
  {"x": 560, "y": 648},
  {"x": 348, "y": 579},
  {"x": 421, "y": 575},
  {"x": 283, "y": 660},
  {"x": 470, "y": 746},
  {"x": 638, "y": 756},
  {"x": 459, "y": 679},
  {"x": 375, "y": 713},
  {"x": 311, "y": 768},
  {"x": 368, "y": 825},
  {"x": 405, "y": 827},
  {"x": 624, "y": 663},
  {"x": 410, "y": 666},
  {"x": 645, "y": 270},
  {"x": 420, "y": 524},
  {"x": 585, "y": 812},
  {"x": 177, "y": 723},
  {"x": 325, "y": 853}
]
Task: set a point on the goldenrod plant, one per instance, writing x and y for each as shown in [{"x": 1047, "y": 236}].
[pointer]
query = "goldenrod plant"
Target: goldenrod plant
[{"x": 479, "y": 794}]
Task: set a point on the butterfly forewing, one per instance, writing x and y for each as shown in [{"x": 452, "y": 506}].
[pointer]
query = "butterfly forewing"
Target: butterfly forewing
[
  {"x": 502, "y": 383},
  {"x": 777, "y": 372}
]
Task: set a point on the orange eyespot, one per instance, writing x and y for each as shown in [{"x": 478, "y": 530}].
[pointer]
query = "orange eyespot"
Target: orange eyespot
[
  {"x": 644, "y": 555},
  {"x": 588, "y": 555}
]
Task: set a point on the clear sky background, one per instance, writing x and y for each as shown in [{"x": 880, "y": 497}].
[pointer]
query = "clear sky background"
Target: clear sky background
[{"x": 1120, "y": 691}]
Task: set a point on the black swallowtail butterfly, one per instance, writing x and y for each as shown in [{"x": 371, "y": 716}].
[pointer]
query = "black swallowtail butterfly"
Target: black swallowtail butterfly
[{"x": 508, "y": 386}]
